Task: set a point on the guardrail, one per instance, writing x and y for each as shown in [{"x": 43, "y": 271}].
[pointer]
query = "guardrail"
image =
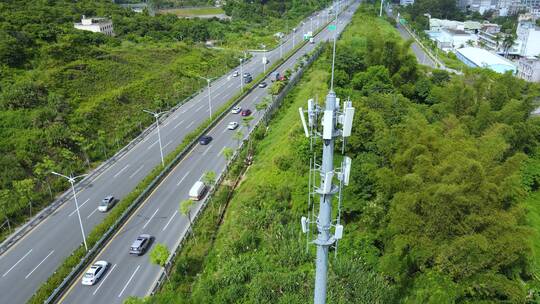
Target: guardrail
[
  {"x": 58, "y": 292},
  {"x": 87, "y": 180}
]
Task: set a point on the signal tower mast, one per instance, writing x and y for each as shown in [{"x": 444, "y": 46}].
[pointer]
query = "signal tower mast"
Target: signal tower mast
[{"x": 324, "y": 123}]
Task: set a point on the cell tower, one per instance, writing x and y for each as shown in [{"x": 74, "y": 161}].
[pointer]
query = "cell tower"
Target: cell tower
[{"x": 324, "y": 123}]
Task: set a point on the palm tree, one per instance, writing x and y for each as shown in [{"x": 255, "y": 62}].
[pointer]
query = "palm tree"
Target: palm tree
[
  {"x": 508, "y": 42},
  {"x": 497, "y": 39}
]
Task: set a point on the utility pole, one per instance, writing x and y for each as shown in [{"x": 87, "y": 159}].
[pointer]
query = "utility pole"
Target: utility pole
[
  {"x": 156, "y": 116},
  {"x": 71, "y": 180},
  {"x": 380, "y": 11}
]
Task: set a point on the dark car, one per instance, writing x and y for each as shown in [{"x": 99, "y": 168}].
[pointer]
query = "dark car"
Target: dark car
[
  {"x": 141, "y": 244},
  {"x": 205, "y": 140},
  {"x": 262, "y": 85},
  {"x": 248, "y": 79},
  {"x": 246, "y": 112}
]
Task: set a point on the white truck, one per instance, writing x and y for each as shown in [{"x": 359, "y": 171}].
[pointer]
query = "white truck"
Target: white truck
[{"x": 197, "y": 191}]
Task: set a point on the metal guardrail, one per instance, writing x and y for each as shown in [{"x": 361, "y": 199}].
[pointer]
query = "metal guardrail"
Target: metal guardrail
[{"x": 87, "y": 180}]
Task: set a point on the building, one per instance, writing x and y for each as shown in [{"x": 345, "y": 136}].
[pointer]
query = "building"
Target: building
[
  {"x": 528, "y": 35},
  {"x": 406, "y": 2},
  {"x": 450, "y": 39},
  {"x": 96, "y": 25},
  {"x": 480, "y": 58},
  {"x": 529, "y": 69}
]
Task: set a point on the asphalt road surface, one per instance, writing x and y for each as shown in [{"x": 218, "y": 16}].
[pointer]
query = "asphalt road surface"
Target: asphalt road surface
[
  {"x": 159, "y": 216},
  {"x": 37, "y": 255}
]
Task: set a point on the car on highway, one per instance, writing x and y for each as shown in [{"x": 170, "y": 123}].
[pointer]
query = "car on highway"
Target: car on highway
[
  {"x": 246, "y": 75},
  {"x": 248, "y": 79},
  {"x": 232, "y": 125},
  {"x": 95, "y": 272},
  {"x": 205, "y": 140},
  {"x": 106, "y": 204},
  {"x": 236, "y": 110},
  {"x": 197, "y": 191},
  {"x": 236, "y": 74},
  {"x": 140, "y": 244},
  {"x": 262, "y": 85},
  {"x": 246, "y": 112}
]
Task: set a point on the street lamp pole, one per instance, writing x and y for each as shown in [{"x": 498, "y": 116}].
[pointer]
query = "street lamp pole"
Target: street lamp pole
[
  {"x": 156, "y": 116},
  {"x": 208, "y": 80},
  {"x": 71, "y": 180},
  {"x": 241, "y": 76},
  {"x": 380, "y": 11},
  {"x": 264, "y": 58}
]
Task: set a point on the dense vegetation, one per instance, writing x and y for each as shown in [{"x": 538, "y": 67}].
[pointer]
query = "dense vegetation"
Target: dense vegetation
[
  {"x": 69, "y": 98},
  {"x": 442, "y": 165}
]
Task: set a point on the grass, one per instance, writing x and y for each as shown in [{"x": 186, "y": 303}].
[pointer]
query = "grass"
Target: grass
[{"x": 193, "y": 12}]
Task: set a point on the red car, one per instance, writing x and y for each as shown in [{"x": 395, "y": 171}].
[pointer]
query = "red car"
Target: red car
[{"x": 246, "y": 112}]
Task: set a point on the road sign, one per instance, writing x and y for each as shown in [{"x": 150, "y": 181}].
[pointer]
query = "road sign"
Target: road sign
[{"x": 332, "y": 27}]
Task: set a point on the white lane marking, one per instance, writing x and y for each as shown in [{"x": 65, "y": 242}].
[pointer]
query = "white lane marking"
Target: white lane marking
[
  {"x": 182, "y": 179},
  {"x": 151, "y": 218},
  {"x": 91, "y": 213},
  {"x": 166, "y": 225},
  {"x": 224, "y": 130},
  {"x": 178, "y": 124},
  {"x": 17, "y": 263},
  {"x": 206, "y": 151},
  {"x": 48, "y": 255},
  {"x": 199, "y": 108},
  {"x": 170, "y": 142},
  {"x": 149, "y": 147},
  {"x": 136, "y": 171},
  {"x": 129, "y": 281},
  {"x": 121, "y": 170},
  {"x": 103, "y": 281},
  {"x": 190, "y": 124},
  {"x": 221, "y": 152},
  {"x": 80, "y": 206}
]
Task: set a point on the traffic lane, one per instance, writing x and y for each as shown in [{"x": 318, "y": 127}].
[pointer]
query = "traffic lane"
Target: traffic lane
[{"x": 421, "y": 56}]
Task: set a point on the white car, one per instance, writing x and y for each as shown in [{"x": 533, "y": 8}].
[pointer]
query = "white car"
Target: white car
[
  {"x": 236, "y": 74},
  {"x": 236, "y": 110},
  {"x": 95, "y": 272},
  {"x": 106, "y": 204},
  {"x": 232, "y": 125}
]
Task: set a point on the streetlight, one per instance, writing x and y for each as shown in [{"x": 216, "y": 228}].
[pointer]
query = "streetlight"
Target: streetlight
[
  {"x": 241, "y": 76},
  {"x": 264, "y": 58},
  {"x": 311, "y": 20},
  {"x": 380, "y": 11},
  {"x": 71, "y": 180},
  {"x": 208, "y": 80},
  {"x": 156, "y": 116}
]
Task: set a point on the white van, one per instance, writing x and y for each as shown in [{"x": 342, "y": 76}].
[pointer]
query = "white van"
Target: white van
[{"x": 197, "y": 191}]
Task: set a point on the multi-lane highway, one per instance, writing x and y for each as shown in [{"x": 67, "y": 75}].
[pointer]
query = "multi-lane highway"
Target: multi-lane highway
[
  {"x": 37, "y": 255},
  {"x": 159, "y": 216}
]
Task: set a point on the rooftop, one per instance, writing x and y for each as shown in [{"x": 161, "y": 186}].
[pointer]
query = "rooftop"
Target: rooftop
[{"x": 484, "y": 58}]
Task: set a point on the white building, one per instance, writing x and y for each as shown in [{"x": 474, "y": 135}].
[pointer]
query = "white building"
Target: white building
[
  {"x": 406, "y": 2},
  {"x": 529, "y": 69},
  {"x": 449, "y": 39},
  {"x": 96, "y": 25},
  {"x": 528, "y": 36},
  {"x": 480, "y": 58}
]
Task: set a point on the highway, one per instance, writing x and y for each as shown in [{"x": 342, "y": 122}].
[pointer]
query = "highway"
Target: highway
[
  {"x": 158, "y": 215},
  {"x": 38, "y": 254}
]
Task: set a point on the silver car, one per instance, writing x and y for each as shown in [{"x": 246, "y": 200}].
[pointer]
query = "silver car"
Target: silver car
[
  {"x": 236, "y": 110},
  {"x": 232, "y": 125}
]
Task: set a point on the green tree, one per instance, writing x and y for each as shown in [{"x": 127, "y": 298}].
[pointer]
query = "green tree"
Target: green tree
[
  {"x": 26, "y": 191},
  {"x": 238, "y": 136},
  {"x": 159, "y": 256},
  {"x": 185, "y": 210},
  {"x": 228, "y": 153},
  {"x": 209, "y": 178}
]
